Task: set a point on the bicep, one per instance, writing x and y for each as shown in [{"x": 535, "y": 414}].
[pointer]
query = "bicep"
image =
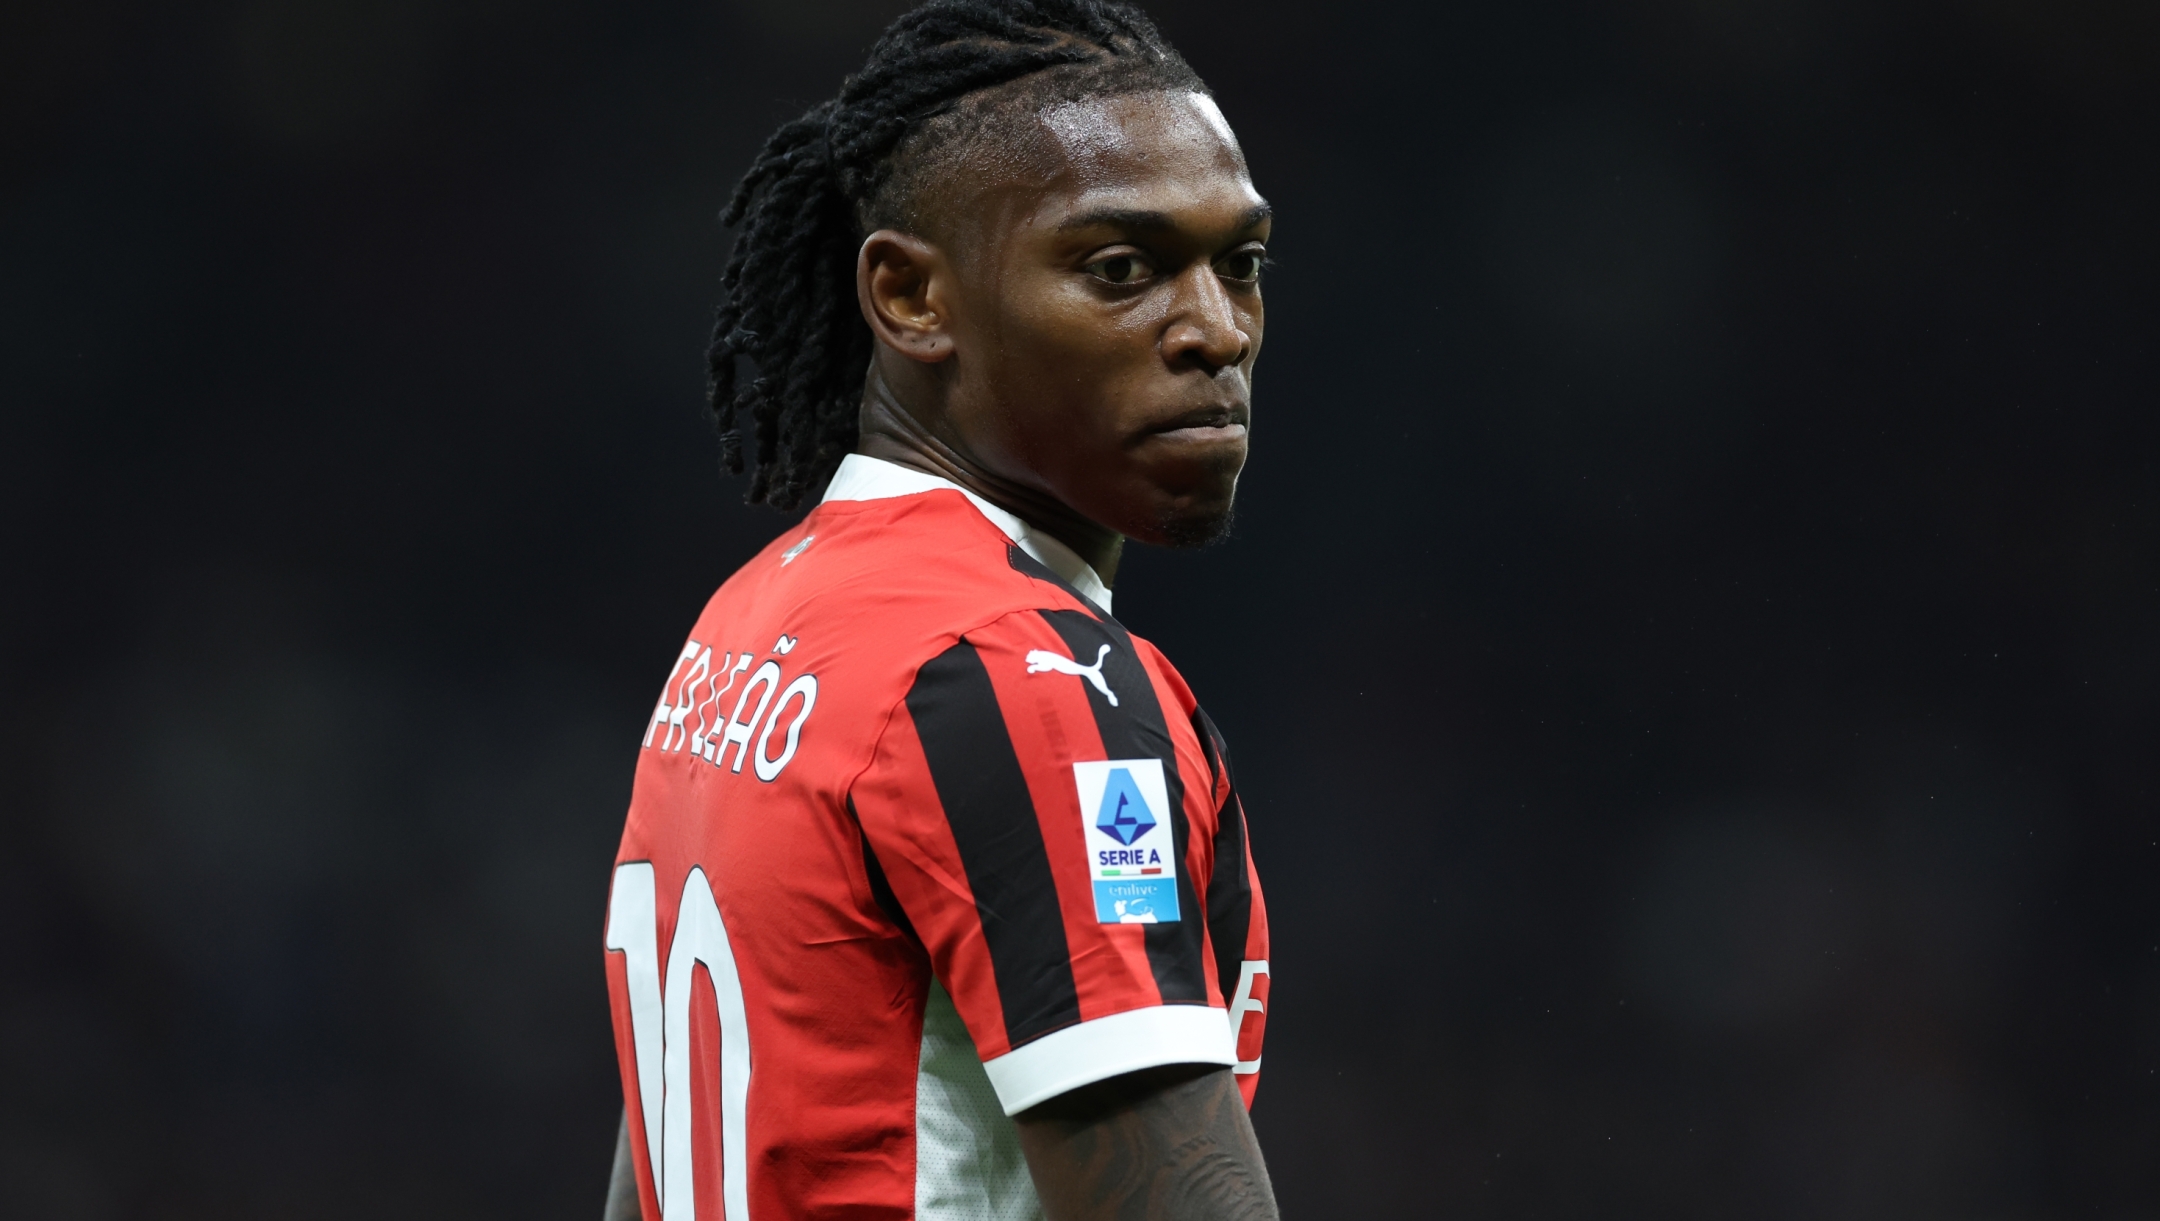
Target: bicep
[{"x": 1163, "y": 1144}]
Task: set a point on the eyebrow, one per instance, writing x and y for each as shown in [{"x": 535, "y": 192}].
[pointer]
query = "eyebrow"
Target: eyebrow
[{"x": 1145, "y": 220}]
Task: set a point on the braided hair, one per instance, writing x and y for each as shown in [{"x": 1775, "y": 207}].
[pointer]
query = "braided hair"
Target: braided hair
[{"x": 942, "y": 76}]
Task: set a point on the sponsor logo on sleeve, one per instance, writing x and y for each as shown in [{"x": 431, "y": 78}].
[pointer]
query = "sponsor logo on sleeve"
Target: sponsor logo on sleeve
[
  {"x": 1132, "y": 853},
  {"x": 1043, "y": 661}
]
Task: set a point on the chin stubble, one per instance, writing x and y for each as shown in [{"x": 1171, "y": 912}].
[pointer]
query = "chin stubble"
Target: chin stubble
[{"x": 1187, "y": 533}]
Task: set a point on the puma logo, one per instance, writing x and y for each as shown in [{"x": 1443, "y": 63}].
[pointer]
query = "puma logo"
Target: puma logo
[
  {"x": 1043, "y": 661},
  {"x": 788, "y": 557}
]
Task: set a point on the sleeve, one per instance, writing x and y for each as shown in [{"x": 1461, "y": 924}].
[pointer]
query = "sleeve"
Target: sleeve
[
  {"x": 1044, "y": 827},
  {"x": 1237, "y": 914}
]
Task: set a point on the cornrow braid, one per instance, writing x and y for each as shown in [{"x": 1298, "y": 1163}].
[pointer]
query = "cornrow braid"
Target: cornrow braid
[{"x": 823, "y": 181}]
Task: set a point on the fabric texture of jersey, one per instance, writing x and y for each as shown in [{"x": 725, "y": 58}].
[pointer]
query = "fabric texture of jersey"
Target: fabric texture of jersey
[{"x": 920, "y": 837}]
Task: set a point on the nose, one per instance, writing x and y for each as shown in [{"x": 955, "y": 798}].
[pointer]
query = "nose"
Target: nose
[{"x": 1204, "y": 326}]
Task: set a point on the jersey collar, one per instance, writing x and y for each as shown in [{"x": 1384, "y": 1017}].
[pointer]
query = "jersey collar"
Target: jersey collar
[{"x": 862, "y": 477}]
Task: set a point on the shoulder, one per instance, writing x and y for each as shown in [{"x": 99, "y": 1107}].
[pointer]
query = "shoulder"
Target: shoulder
[
  {"x": 864, "y": 593},
  {"x": 1166, "y": 674}
]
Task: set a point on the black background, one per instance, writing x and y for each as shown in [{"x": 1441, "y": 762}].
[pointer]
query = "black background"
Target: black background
[{"x": 1690, "y": 642}]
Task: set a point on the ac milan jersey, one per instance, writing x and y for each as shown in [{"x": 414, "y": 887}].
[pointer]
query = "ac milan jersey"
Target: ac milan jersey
[{"x": 921, "y": 837}]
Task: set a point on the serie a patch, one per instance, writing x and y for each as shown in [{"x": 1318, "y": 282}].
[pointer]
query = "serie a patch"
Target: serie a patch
[{"x": 1132, "y": 851}]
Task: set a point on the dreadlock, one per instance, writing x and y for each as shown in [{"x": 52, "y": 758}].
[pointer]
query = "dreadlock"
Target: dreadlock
[{"x": 856, "y": 163}]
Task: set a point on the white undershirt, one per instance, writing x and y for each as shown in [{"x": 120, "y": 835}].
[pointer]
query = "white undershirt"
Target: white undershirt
[{"x": 862, "y": 477}]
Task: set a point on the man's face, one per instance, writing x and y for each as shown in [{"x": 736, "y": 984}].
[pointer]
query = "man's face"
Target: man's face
[{"x": 1109, "y": 314}]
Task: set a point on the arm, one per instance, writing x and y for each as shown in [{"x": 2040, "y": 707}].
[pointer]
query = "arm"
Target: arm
[
  {"x": 1163, "y": 1144},
  {"x": 622, "y": 1201}
]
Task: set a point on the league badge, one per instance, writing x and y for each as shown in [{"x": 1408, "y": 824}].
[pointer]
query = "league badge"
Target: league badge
[{"x": 1132, "y": 852}]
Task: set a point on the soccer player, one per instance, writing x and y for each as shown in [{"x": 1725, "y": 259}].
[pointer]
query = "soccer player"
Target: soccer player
[{"x": 934, "y": 898}]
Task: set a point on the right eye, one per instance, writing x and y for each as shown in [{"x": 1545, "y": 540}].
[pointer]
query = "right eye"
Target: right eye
[
  {"x": 1119, "y": 269},
  {"x": 1243, "y": 266}
]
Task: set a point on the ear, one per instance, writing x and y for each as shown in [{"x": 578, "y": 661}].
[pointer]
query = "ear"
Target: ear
[{"x": 904, "y": 285}]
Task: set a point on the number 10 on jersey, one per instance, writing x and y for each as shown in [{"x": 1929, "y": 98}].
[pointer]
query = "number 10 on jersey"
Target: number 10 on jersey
[{"x": 660, "y": 1032}]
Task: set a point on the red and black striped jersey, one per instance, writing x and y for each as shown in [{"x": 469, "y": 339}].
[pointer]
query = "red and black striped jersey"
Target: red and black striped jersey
[{"x": 920, "y": 837}]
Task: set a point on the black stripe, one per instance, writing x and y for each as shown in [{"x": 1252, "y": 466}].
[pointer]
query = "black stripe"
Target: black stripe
[
  {"x": 1211, "y": 745},
  {"x": 881, "y": 891},
  {"x": 1028, "y": 565},
  {"x": 1135, "y": 729},
  {"x": 999, "y": 834},
  {"x": 1229, "y": 891}
]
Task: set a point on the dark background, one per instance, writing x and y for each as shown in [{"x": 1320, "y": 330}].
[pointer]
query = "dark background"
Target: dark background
[{"x": 1690, "y": 641}]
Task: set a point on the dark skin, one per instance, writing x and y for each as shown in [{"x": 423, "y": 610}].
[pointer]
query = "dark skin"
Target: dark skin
[
  {"x": 1073, "y": 337},
  {"x": 1070, "y": 334},
  {"x": 1163, "y": 1144}
]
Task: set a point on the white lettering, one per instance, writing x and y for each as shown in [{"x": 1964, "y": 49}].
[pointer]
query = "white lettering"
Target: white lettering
[
  {"x": 696, "y": 683},
  {"x": 1243, "y": 1003},
  {"x": 665, "y": 710},
  {"x": 711, "y": 748},
  {"x": 768, "y": 770},
  {"x": 737, "y": 733},
  {"x": 685, "y": 701},
  {"x": 708, "y": 705}
]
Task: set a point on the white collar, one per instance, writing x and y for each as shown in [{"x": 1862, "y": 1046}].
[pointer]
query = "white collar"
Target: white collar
[{"x": 862, "y": 477}]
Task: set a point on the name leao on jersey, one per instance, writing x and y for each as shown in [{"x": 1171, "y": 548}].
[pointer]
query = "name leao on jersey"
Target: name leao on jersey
[{"x": 701, "y": 690}]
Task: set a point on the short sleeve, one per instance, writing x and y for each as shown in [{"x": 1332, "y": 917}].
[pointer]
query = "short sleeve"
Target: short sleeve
[{"x": 1045, "y": 816}]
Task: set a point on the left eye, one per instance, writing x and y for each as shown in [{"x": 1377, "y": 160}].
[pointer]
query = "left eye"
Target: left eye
[
  {"x": 1120, "y": 269},
  {"x": 1244, "y": 265}
]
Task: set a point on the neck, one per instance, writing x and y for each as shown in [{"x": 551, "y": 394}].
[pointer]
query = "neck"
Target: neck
[{"x": 893, "y": 433}]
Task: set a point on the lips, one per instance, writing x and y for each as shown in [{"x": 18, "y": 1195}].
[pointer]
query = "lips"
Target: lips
[
  {"x": 1204, "y": 435},
  {"x": 1204, "y": 426}
]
